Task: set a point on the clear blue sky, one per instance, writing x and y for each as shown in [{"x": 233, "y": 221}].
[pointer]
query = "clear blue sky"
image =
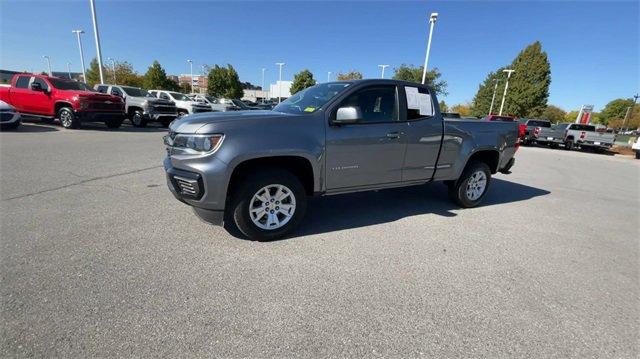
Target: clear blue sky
[{"x": 593, "y": 46}]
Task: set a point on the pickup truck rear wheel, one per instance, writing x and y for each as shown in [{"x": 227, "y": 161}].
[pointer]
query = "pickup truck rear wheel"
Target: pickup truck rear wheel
[
  {"x": 568, "y": 145},
  {"x": 269, "y": 205},
  {"x": 68, "y": 118},
  {"x": 472, "y": 185},
  {"x": 137, "y": 119}
]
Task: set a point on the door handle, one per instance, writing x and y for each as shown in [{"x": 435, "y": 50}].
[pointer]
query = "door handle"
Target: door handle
[{"x": 394, "y": 134}]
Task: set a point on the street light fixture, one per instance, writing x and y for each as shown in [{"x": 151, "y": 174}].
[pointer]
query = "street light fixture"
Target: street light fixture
[
  {"x": 48, "y": 64},
  {"x": 432, "y": 22},
  {"x": 113, "y": 67},
  {"x": 383, "y": 67},
  {"x": 280, "y": 64},
  {"x": 78, "y": 32},
  {"x": 506, "y": 86},
  {"x": 495, "y": 88},
  {"x": 191, "y": 65},
  {"x": 97, "y": 37}
]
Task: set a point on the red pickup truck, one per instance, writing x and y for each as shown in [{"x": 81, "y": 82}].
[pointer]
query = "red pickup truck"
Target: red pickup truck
[{"x": 69, "y": 101}]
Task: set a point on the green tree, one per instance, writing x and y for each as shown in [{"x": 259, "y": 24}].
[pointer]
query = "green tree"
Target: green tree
[
  {"x": 125, "y": 75},
  {"x": 616, "y": 109},
  {"x": 414, "y": 74},
  {"x": 93, "y": 73},
  {"x": 463, "y": 109},
  {"x": 571, "y": 116},
  {"x": 184, "y": 87},
  {"x": 351, "y": 75},
  {"x": 553, "y": 113},
  {"x": 528, "y": 86},
  {"x": 156, "y": 78},
  {"x": 443, "y": 106},
  {"x": 224, "y": 82},
  {"x": 302, "y": 80}
]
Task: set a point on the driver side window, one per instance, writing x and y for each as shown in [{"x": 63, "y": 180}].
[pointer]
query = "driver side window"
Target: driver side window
[
  {"x": 115, "y": 91},
  {"x": 164, "y": 96},
  {"x": 377, "y": 104}
]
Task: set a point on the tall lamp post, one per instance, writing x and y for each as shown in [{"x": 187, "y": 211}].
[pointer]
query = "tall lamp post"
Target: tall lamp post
[
  {"x": 191, "y": 78},
  {"x": 262, "y": 86},
  {"x": 432, "y": 22},
  {"x": 328, "y": 76},
  {"x": 78, "y": 32},
  {"x": 69, "y": 69},
  {"x": 97, "y": 37},
  {"x": 113, "y": 67},
  {"x": 280, "y": 64},
  {"x": 48, "y": 64},
  {"x": 495, "y": 88},
  {"x": 384, "y": 67},
  {"x": 506, "y": 86}
]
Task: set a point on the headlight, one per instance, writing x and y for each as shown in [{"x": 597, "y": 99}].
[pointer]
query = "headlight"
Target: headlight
[
  {"x": 145, "y": 103},
  {"x": 197, "y": 144}
]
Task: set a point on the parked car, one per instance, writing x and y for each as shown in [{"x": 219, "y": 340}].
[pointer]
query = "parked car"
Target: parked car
[
  {"x": 243, "y": 106},
  {"x": 529, "y": 126},
  {"x": 70, "y": 101},
  {"x": 265, "y": 105},
  {"x": 184, "y": 104},
  {"x": 636, "y": 148},
  {"x": 451, "y": 115},
  {"x": 330, "y": 138},
  {"x": 9, "y": 117},
  {"x": 573, "y": 135},
  {"x": 140, "y": 106},
  {"x": 214, "y": 103}
]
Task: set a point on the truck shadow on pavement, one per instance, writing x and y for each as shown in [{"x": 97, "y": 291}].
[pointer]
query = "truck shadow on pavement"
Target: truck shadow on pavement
[
  {"x": 33, "y": 128},
  {"x": 334, "y": 213}
]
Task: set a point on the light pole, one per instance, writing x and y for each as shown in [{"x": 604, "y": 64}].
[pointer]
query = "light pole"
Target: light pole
[
  {"x": 630, "y": 112},
  {"x": 78, "y": 32},
  {"x": 384, "y": 67},
  {"x": 506, "y": 86},
  {"x": 191, "y": 66},
  {"x": 432, "y": 22},
  {"x": 48, "y": 64},
  {"x": 280, "y": 64},
  {"x": 262, "y": 86},
  {"x": 328, "y": 76},
  {"x": 97, "y": 37},
  {"x": 495, "y": 88},
  {"x": 113, "y": 67},
  {"x": 69, "y": 69}
]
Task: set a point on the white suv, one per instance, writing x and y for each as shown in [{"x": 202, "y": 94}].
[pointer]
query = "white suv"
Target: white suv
[{"x": 184, "y": 104}]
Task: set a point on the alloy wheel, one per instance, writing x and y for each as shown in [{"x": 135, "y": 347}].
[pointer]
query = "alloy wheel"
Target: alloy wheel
[{"x": 272, "y": 207}]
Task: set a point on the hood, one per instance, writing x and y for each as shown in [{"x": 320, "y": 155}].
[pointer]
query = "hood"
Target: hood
[
  {"x": 192, "y": 123},
  {"x": 94, "y": 96}
]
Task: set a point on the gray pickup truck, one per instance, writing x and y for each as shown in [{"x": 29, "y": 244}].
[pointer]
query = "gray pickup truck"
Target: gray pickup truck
[
  {"x": 573, "y": 135},
  {"x": 255, "y": 169},
  {"x": 140, "y": 106}
]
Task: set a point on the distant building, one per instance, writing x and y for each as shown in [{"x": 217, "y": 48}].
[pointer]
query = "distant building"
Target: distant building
[
  {"x": 200, "y": 82},
  {"x": 254, "y": 95},
  {"x": 280, "y": 89}
]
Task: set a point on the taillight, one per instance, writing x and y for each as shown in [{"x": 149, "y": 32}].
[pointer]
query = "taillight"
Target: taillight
[
  {"x": 522, "y": 130},
  {"x": 583, "y": 135},
  {"x": 536, "y": 132}
]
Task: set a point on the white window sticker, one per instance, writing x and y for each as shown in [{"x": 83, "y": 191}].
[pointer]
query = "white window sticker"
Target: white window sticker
[
  {"x": 412, "y": 98},
  {"x": 424, "y": 103}
]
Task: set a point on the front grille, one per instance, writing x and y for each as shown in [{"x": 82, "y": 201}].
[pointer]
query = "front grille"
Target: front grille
[
  {"x": 201, "y": 109},
  {"x": 106, "y": 106},
  {"x": 164, "y": 109}
]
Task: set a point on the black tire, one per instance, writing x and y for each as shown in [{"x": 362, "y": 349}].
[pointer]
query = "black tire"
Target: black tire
[
  {"x": 243, "y": 196},
  {"x": 638, "y": 155},
  {"x": 137, "y": 119},
  {"x": 68, "y": 118},
  {"x": 114, "y": 123},
  {"x": 10, "y": 126},
  {"x": 569, "y": 145},
  {"x": 458, "y": 191}
]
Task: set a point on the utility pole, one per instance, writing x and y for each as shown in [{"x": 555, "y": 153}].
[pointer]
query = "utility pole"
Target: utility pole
[
  {"x": 280, "y": 64},
  {"x": 627, "y": 116},
  {"x": 384, "y": 67},
  {"x": 262, "y": 86},
  {"x": 69, "y": 69},
  {"x": 48, "y": 64},
  {"x": 495, "y": 88},
  {"x": 191, "y": 65},
  {"x": 97, "y": 37},
  {"x": 432, "y": 22},
  {"x": 113, "y": 67},
  {"x": 506, "y": 86},
  {"x": 84, "y": 74},
  {"x": 328, "y": 76}
]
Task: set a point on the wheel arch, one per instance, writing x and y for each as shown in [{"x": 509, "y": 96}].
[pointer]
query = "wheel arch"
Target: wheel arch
[
  {"x": 59, "y": 105},
  {"x": 490, "y": 157}
]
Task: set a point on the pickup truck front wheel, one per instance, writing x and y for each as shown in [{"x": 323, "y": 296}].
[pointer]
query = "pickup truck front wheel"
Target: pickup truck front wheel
[
  {"x": 67, "y": 118},
  {"x": 472, "y": 185},
  {"x": 269, "y": 205},
  {"x": 137, "y": 119}
]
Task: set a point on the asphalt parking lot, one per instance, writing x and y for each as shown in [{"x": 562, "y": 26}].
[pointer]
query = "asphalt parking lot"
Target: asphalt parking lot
[{"x": 98, "y": 259}]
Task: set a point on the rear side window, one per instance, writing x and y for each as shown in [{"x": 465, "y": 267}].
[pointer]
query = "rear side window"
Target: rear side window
[
  {"x": 539, "y": 123},
  {"x": 23, "y": 82},
  {"x": 42, "y": 83},
  {"x": 414, "y": 113}
]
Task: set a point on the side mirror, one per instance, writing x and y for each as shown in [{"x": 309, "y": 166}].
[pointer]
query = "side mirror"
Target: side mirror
[
  {"x": 350, "y": 114},
  {"x": 36, "y": 87}
]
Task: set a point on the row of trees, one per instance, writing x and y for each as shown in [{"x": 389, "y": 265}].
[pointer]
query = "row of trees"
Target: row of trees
[{"x": 155, "y": 77}]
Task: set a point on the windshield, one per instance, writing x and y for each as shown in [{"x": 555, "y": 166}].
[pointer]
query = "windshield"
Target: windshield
[
  {"x": 136, "y": 92},
  {"x": 211, "y": 99},
  {"x": 69, "y": 85},
  {"x": 240, "y": 104},
  {"x": 179, "y": 96},
  {"x": 312, "y": 98}
]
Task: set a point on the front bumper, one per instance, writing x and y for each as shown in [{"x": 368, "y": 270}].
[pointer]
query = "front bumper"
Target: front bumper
[
  {"x": 594, "y": 144},
  {"x": 159, "y": 116},
  {"x": 94, "y": 116},
  {"x": 7, "y": 118}
]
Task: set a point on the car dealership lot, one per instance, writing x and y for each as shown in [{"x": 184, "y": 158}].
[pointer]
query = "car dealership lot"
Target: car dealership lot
[{"x": 98, "y": 259}]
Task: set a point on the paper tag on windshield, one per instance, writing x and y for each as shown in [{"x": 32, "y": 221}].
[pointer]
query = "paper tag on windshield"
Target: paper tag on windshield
[
  {"x": 412, "y": 98},
  {"x": 424, "y": 104}
]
